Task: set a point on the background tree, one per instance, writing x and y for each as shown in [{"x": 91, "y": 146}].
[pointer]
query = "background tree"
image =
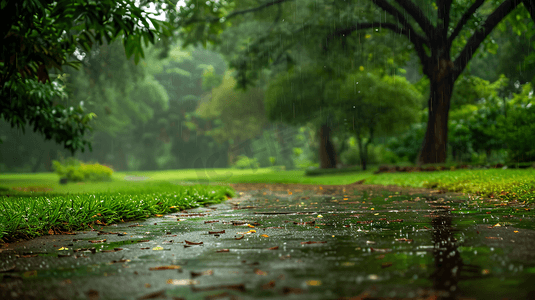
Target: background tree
[
  {"x": 371, "y": 105},
  {"x": 40, "y": 35},
  {"x": 453, "y": 31}
]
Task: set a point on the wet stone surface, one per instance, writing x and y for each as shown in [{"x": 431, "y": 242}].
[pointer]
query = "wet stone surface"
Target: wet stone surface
[{"x": 295, "y": 245}]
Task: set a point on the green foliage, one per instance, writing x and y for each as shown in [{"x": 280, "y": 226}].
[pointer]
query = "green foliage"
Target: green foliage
[
  {"x": 518, "y": 127},
  {"x": 42, "y": 35},
  {"x": 241, "y": 114},
  {"x": 76, "y": 171},
  {"x": 408, "y": 144},
  {"x": 244, "y": 162}
]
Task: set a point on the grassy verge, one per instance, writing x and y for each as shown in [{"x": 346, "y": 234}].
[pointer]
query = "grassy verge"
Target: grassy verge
[
  {"x": 25, "y": 214},
  {"x": 38, "y": 204}
]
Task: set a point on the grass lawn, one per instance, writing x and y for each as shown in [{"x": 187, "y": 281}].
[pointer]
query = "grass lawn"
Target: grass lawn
[{"x": 37, "y": 204}]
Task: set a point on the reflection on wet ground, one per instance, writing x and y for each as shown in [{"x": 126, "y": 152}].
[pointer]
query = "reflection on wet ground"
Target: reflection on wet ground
[{"x": 294, "y": 244}]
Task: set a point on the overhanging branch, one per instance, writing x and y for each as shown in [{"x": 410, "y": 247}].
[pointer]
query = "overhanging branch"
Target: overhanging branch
[
  {"x": 464, "y": 19},
  {"x": 237, "y": 13},
  {"x": 417, "y": 40},
  {"x": 415, "y": 12},
  {"x": 475, "y": 41}
]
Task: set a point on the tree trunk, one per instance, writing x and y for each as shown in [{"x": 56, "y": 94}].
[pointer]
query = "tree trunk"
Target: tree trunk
[
  {"x": 326, "y": 148},
  {"x": 434, "y": 148}
]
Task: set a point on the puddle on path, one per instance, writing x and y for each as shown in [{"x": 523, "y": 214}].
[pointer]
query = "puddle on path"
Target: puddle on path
[{"x": 303, "y": 246}]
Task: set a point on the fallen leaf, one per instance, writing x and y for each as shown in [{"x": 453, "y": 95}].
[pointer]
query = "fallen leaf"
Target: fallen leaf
[
  {"x": 98, "y": 241},
  {"x": 158, "y": 294},
  {"x": 158, "y": 215},
  {"x": 269, "y": 285},
  {"x": 274, "y": 248},
  {"x": 63, "y": 248},
  {"x": 193, "y": 243},
  {"x": 135, "y": 225},
  {"x": 147, "y": 285},
  {"x": 289, "y": 290},
  {"x": 494, "y": 238},
  {"x": 182, "y": 281},
  {"x": 216, "y": 232},
  {"x": 250, "y": 226},
  {"x": 157, "y": 248},
  {"x": 204, "y": 273},
  {"x": 120, "y": 261},
  {"x": 207, "y": 222},
  {"x": 145, "y": 248},
  {"x": 223, "y": 250},
  {"x": 143, "y": 241},
  {"x": 264, "y": 235},
  {"x": 241, "y": 237},
  {"x": 404, "y": 240},
  {"x": 260, "y": 272},
  {"x": 234, "y": 287},
  {"x": 386, "y": 265},
  {"x": 313, "y": 282},
  {"x": 313, "y": 242},
  {"x": 170, "y": 267}
]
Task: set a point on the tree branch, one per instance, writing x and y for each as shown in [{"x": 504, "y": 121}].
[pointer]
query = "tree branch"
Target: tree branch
[
  {"x": 417, "y": 40},
  {"x": 464, "y": 19},
  {"x": 444, "y": 8},
  {"x": 237, "y": 13},
  {"x": 415, "y": 12},
  {"x": 473, "y": 43},
  {"x": 530, "y": 6}
]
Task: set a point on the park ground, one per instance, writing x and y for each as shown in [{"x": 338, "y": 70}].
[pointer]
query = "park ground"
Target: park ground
[{"x": 280, "y": 234}]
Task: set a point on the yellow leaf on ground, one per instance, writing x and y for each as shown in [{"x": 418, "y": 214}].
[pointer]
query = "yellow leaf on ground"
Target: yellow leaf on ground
[{"x": 314, "y": 282}]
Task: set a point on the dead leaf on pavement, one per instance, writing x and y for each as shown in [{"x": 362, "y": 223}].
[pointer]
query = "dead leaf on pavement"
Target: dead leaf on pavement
[
  {"x": 289, "y": 290},
  {"x": 193, "y": 243},
  {"x": 234, "y": 287},
  {"x": 182, "y": 281},
  {"x": 313, "y": 242},
  {"x": 170, "y": 267},
  {"x": 92, "y": 295},
  {"x": 260, "y": 272},
  {"x": 269, "y": 285},
  {"x": 216, "y": 232},
  {"x": 98, "y": 241},
  {"x": 208, "y": 222},
  {"x": 223, "y": 250},
  {"x": 241, "y": 237},
  {"x": 204, "y": 273},
  {"x": 274, "y": 248},
  {"x": 404, "y": 240},
  {"x": 158, "y": 294}
]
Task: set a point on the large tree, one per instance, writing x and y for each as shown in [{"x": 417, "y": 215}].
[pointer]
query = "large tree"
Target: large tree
[
  {"x": 40, "y": 35},
  {"x": 444, "y": 34}
]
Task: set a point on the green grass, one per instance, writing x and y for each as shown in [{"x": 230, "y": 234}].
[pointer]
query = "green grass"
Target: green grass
[
  {"x": 73, "y": 206},
  {"x": 26, "y": 214}
]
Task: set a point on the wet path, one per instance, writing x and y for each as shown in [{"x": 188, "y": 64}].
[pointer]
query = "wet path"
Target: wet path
[{"x": 295, "y": 245}]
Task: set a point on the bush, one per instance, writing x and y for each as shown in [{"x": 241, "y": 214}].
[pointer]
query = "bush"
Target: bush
[
  {"x": 518, "y": 128},
  {"x": 245, "y": 162},
  {"x": 76, "y": 171}
]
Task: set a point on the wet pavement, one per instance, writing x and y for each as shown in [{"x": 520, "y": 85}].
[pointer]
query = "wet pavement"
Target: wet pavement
[{"x": 269, "y": 244}]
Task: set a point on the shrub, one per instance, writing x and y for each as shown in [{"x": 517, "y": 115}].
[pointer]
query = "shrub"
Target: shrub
[
  {"x": 76, "y": 171},
  {"x": 245, "y": 162}
]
